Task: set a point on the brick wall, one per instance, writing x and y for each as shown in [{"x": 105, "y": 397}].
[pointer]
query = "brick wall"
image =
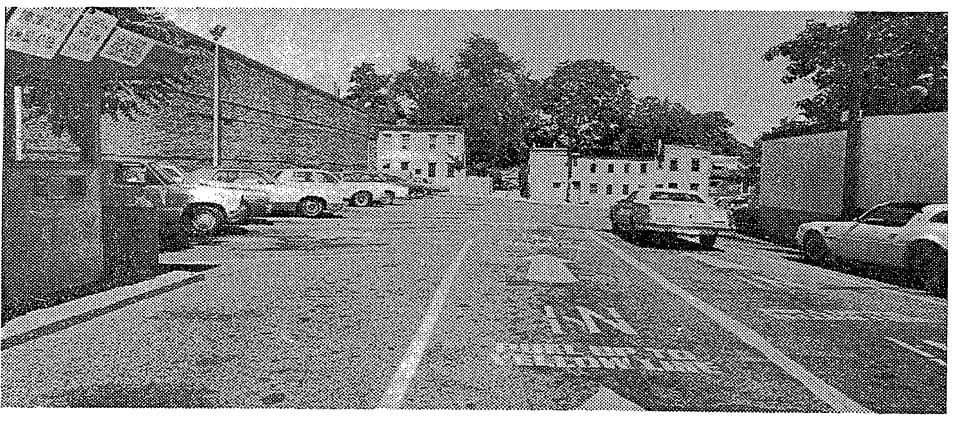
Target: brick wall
[{"x": 266, "y": 116}]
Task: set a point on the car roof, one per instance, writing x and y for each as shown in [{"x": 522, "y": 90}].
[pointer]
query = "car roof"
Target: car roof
[{"x": 917, "y": 206}]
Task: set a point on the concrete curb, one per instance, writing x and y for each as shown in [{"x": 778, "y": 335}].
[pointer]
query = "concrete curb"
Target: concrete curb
[{"x": 44, "y": 321}]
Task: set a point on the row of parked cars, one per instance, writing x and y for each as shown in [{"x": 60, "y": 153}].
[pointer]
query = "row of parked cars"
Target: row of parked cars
[{"x": 203, "y": 201}]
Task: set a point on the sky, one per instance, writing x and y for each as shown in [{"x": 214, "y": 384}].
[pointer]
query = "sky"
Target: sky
[{"x": 707, "y": 60}]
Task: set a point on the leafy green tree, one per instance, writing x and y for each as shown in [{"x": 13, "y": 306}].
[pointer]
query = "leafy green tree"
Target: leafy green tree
[
  {"x": 430, "y": 90},
  {"x": 589, "y": 101},
  {"x": 493, "y": 103},
  {"x": 371, "y": 92},
  {"x": 877, "y": 63}
]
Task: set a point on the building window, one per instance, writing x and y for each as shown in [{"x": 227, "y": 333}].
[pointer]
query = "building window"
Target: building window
[
  {"x": 417, "y": 171},
  {"x": 386, "y": 165},
  {"x": 673, "y": 165},
  {"x": 658, "y": 186},
  {"x": 673, "y": 185},
  {"x": 432, "y": 169},
  {"x": 404, "y": 141},
  {"x": 641, "y": 186},
  {"x": 696, "y": 165},
  {"x": 592, "y": 168},
  {"x": 433, "y": 141},
  {"x": 451, "y": 139},
  {"x": 643, "y": 168},
  {"x": 625, "y": 168},
  {"x": 625, "y": 189},
  {"x": 608, "y": 189},
  {"x": 449, "y": 170},
  {"x": 404, "y": 166},
  {"x": 557, "y": 184},
  {"x": 694, "y": 186},
  {"x": 576, "y": 185},
  {"x": 610, "y": 168},
  {"x": 386, "y": 135},
  {"x": 593, "y": 188}
]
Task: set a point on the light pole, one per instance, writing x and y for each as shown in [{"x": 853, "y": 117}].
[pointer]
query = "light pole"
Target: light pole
[{"x": 216, "y": 32}]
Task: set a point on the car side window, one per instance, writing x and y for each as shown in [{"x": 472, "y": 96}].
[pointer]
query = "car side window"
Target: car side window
[
  {"x": 939, "y": 218},
  {"x": 131, "y": 174},
  {"x": 889, "y": 216},
  {"x": 303, "y": 176}
]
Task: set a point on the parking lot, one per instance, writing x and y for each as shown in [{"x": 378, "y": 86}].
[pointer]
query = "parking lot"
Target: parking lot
[{"x": 483, "y": 303}]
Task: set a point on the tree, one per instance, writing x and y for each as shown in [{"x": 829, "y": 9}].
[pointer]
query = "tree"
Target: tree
[
  {"x": 589, "y": 101},
  {"x": 875, "y": 62},
  {"x": 430, "y": 90},
  {"x": 493, "y": 104},
  {"x": 371, "y": 92}
]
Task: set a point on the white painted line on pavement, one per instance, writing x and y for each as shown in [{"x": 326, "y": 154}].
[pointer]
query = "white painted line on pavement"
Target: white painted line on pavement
[
  {"x": 394, "y": 395},
  {"x": 935, "y": 344},
  {"x": 914, "y": 350},
  {"x": 837, "y": 400}
]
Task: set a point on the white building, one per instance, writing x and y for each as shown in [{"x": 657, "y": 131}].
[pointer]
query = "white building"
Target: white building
[
  {"x": 432, "y": 153},
  {"x": 725, "y": 162},
  {"x": 602, "y": 181}
]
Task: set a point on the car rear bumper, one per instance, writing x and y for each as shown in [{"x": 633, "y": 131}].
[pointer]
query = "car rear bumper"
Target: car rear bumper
[{"x": 686, "y": 230}]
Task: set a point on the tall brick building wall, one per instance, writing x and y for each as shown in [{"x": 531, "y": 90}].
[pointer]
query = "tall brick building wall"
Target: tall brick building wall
[{"x": 268, "y": 120}]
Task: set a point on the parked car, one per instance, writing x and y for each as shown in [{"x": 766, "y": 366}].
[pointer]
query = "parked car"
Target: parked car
[
  {"x": 356, "y": 188},
  {"x": 672, "y": 212},
  {"x": 181, "y": 206},
  {"x": 909, "y": 236},
  {"x": 271, "y": 195}
]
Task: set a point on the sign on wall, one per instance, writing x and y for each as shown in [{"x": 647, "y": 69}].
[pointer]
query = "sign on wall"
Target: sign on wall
[
  {"x": 89, "y": 35},
  {"x": 40, "y": 31},
  {"x": 127, "y": 47}
]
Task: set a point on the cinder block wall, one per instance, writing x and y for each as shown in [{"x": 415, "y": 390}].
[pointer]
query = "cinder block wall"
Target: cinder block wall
[{"x": 266, "y": 116}]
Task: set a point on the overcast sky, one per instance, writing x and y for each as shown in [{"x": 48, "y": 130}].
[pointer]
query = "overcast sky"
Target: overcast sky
[{"x": 709, "y": 61}]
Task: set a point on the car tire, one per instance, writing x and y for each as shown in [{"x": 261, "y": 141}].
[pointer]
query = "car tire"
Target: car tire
[
  {"x": 362, "y": 199},
  {"x": 815, "y": 248},
  {"x": 926, "y": 265},
  {"x": 204, "y": 220},
  {"x": 708, "y": 241},
  {"x": 389, "y": 198},
  {"x": 311, "y": 207}
]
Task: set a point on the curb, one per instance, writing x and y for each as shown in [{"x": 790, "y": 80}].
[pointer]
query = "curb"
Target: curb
[{"x": 49, "y": 320}]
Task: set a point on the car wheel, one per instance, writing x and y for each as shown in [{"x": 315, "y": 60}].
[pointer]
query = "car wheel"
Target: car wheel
[
  {"x": 389, "y": 198},
  {"x": 311, "y": 207},
  {"x": 815, "y": 248},
  {"x": 362, "y": 199},
  {"x": 205, "y": 220},
  {"x": 926, "y": 264},
  {"x": 708, "y": 240}
]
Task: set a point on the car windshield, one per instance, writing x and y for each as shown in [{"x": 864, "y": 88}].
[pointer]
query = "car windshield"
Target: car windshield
[
  {"x": 169, "y": 173},
  {"x": 676, "y": 197}
]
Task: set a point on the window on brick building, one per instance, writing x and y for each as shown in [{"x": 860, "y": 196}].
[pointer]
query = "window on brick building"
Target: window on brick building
[
  {"x": 694, "y": 186},
  {"x": 625, "y": 168},
  {"x": 696, "y": 165},
  {"x": 608, "y": 189},
  {"x": 643, "y": 168},
  {"x": 404, "y": 166},
  {"x": 673, "y": 165},
  {"x": 593, "y": 188},
  {"x": 592, "y": 168},
  {"x": 610, "y": 168},
  {"x": 625, "y": 189},
  {"x": 432, "y": 169}
]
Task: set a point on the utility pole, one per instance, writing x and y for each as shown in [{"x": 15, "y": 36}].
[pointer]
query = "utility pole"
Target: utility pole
[
  {"x": 216, "y": 32},
  {"x": 857, "y": 86}
]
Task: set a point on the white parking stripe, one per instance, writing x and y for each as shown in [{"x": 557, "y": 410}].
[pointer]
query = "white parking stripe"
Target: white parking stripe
[
  {"x": 936, "y": 344},
  {"x": 914, "y": 350},
  {"x": 837, "y": 400},
  {"x": 394, "y": 395}
]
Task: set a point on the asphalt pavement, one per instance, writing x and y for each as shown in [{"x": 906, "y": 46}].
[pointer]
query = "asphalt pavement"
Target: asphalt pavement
[{"x": 470, "y": 303}]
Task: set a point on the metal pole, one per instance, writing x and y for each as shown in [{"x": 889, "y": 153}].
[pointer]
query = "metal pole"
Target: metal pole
[
  {"x": 216, "y": 112},
  {"x": 568, "y": 172}
]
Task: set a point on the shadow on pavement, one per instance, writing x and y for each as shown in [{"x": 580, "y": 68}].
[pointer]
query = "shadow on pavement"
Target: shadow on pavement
[{"x": 664, "y": 242}]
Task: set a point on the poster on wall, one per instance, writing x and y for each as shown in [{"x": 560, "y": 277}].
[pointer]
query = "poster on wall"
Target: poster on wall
[
  {"x": 40, "y": 31},
  {"x": 89, "y": 35},
  {"x": 127, "y": 47}
]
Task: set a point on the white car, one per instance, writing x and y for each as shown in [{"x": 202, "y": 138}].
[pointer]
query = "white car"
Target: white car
[
  {"x": 304, "y": 200},
  {"x": 903, "y": 235},
  {"x": 681, "y": 213},
  {"x": 357, "y": 191}
]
